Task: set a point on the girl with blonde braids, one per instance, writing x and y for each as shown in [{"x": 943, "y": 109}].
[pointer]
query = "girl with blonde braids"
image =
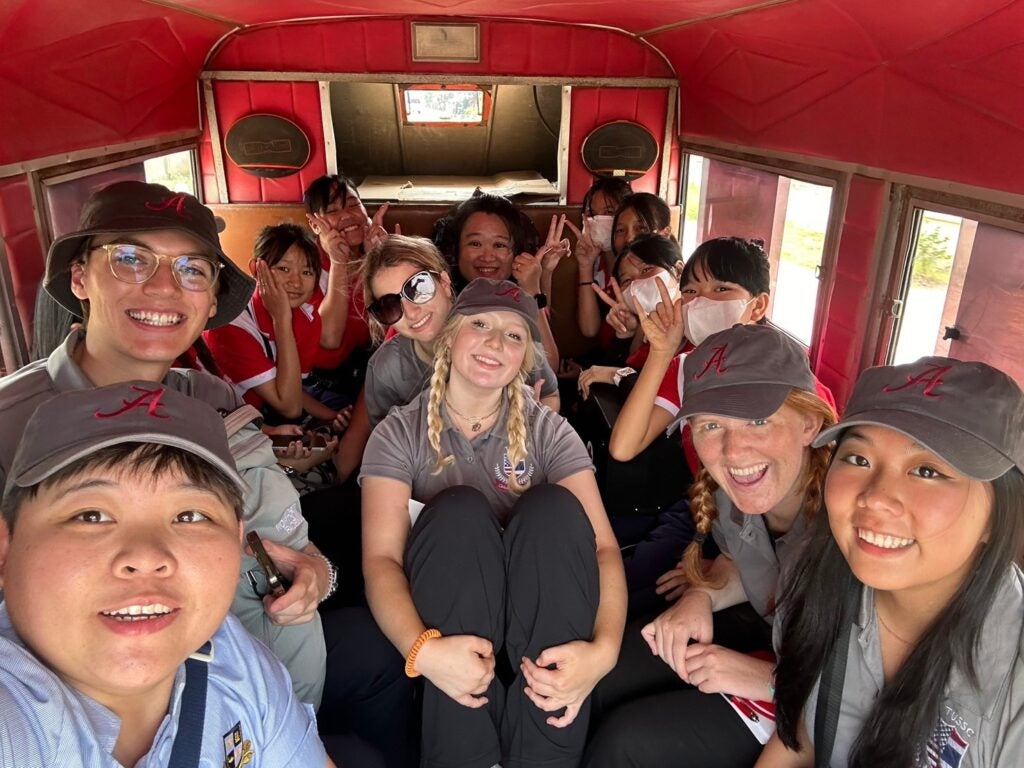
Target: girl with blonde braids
[
  {"x": 484, "y": 537},
  {"x": 694, "y": 686}
]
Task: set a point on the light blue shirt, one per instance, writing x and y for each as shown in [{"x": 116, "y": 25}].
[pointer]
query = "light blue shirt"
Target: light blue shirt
[{"x": 45, "y": 723}]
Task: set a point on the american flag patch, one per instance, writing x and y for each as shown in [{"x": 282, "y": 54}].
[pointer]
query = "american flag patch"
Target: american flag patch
[{"x": 946, "y": 748}]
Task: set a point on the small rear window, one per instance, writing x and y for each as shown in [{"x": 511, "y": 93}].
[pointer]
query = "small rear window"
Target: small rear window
[{"x": 444, "y": 105}]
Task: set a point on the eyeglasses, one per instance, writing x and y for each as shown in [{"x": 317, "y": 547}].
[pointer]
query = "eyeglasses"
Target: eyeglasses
[
  {"x": 419, "y": 289},
  {"x": 137, "y": 264}
]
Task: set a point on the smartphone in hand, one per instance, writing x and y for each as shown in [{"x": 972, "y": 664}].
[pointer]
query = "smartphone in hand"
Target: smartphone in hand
[
  {"x": 313, "y": 440},
  {"x": 278, "y": 583}
]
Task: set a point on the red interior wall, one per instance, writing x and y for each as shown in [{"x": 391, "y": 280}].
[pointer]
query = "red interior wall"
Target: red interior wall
[
  {"x": 926, "y": 94},
  {"x": 593, "y": 107},
  {"x": 300, "y": 103},
  {"x": 846, "y": 311},
  {"x": 21, "y": 243},
  {"x": 384, "y": 45},
  {"x": 112, "y": 76}
]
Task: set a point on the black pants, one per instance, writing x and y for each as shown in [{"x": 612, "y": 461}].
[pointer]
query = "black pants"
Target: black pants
[
  {"x": 527, "y": 588},
  {"x": 367, "y": 702},
  {"x": 335, "y": 527},
  {"x": 647, "y": 717}
]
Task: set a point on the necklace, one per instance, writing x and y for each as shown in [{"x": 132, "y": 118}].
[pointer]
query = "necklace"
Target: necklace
[
  {"x": 890, "y": 629},
  {"x": 475, "y": 422}
]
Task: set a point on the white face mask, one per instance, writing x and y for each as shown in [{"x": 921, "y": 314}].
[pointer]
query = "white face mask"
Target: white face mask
[
  {"x": 646, "y": 295},
  {"x": 600, "y": 230},
  {"x": 705, "y": 317}
]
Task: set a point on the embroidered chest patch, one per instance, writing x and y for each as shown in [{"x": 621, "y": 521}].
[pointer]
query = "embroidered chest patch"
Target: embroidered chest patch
[
  {"x": 237, "y": 749},
  {"x": 946, "y": 747},
  {"x": 503, "y": 471}
]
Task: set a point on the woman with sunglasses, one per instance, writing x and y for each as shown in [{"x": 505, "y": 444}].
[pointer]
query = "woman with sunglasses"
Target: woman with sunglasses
[
  {"x": 269, "y": 348},
  {"x": 913, "y": 573},
  {"x": 512, "y": 553},
  {"x": 407, "y": 288}
]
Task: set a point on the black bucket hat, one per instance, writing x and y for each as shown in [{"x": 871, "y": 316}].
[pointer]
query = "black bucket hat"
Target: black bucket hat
[{"x": 135, "y": 206}]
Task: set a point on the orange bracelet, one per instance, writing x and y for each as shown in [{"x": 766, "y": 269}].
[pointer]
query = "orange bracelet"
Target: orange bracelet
[{"x": 410, "y": 660}]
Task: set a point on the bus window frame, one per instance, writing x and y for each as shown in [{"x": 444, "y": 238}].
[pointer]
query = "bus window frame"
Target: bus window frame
[
  {"x": 838, "y": 180},
  {"x": 14, "y": 346},
  {"x": 485, "y": 112},
  {"x": 894, "y": 271},
  {"x": 54, "y": 175}
]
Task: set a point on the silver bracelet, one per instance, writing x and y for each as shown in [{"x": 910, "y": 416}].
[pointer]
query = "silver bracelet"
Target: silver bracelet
[{"x": 332, "y": 585}]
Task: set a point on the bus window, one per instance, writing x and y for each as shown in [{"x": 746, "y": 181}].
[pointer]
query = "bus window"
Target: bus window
[
  {"x": 961, "y": 292},
  {"x": 790, "y": 215},
  {"x": 175, "y": 171},
  {"x": 66, "y": 193},
  {"x": 440, "y": 105}
]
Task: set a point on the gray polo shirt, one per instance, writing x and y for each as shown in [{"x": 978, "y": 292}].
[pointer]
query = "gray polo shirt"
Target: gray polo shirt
[
  {"x": 746, "y": 540},
  {"x": 396, "y": 375},
  {"x": 399, "y": 449},
  {"x": 978, "y": 727},
  {"x": 271, "y": 505}
]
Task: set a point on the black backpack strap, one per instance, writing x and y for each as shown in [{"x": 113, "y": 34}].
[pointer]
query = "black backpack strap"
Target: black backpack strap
[
  {"x": 830, "y": 689},
  {"x": 188, "y": 741}
]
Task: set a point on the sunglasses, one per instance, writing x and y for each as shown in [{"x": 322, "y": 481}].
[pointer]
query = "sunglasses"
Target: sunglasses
[{"x": 419, "y": 289}]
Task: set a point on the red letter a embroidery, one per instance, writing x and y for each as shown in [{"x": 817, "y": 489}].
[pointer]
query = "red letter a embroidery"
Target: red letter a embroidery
[
  {"x": 930, "y": 378},
  {"x": 149, "y": 399},
  {"x": 177, "y": 202},
  {"x": 717, "y": 360}
]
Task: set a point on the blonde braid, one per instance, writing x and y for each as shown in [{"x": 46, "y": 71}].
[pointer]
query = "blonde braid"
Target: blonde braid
[
  {"x": 438, "y": 387},
  {"x": 516, "y": 425},
  {"x": 704, "y": 511}
]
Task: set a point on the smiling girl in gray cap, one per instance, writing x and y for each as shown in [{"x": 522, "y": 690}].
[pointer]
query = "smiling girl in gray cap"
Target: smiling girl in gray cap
[
  {"x": 687, "y": 690},
  {"x": 512, "y": 554},
  {"x": 908, "y": 602}
]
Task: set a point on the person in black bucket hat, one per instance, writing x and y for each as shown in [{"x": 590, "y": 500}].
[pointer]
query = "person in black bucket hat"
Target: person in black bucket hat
[
  {"x": 903, "y": 625},
  {"x": 149, "y": 271},
  {"x": 130, "y": 207}
]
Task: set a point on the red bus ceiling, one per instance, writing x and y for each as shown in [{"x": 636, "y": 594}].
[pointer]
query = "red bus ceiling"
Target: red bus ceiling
[{"x": 924, "y": 88}]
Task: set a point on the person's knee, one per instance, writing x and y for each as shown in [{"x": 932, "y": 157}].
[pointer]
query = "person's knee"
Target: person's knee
[
  {"x": 459, "y": 509},
  {"x": 551, "y": 510}
]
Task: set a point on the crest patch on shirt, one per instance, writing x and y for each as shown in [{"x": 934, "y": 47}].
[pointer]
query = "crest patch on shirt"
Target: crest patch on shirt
[
  {"x": 523, "y": 474},
  {"x": 237, "y": 749},
  {"x": 290, "y": 520},
  {"x": 946, "y": 748}
]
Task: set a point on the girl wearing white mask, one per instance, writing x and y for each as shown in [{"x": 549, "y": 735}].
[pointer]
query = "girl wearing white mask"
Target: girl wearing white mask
[
  {"x": 648, "y": 260},
  {"x": 725, "y": 281},
  {"x": 594, "y": 256}
]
